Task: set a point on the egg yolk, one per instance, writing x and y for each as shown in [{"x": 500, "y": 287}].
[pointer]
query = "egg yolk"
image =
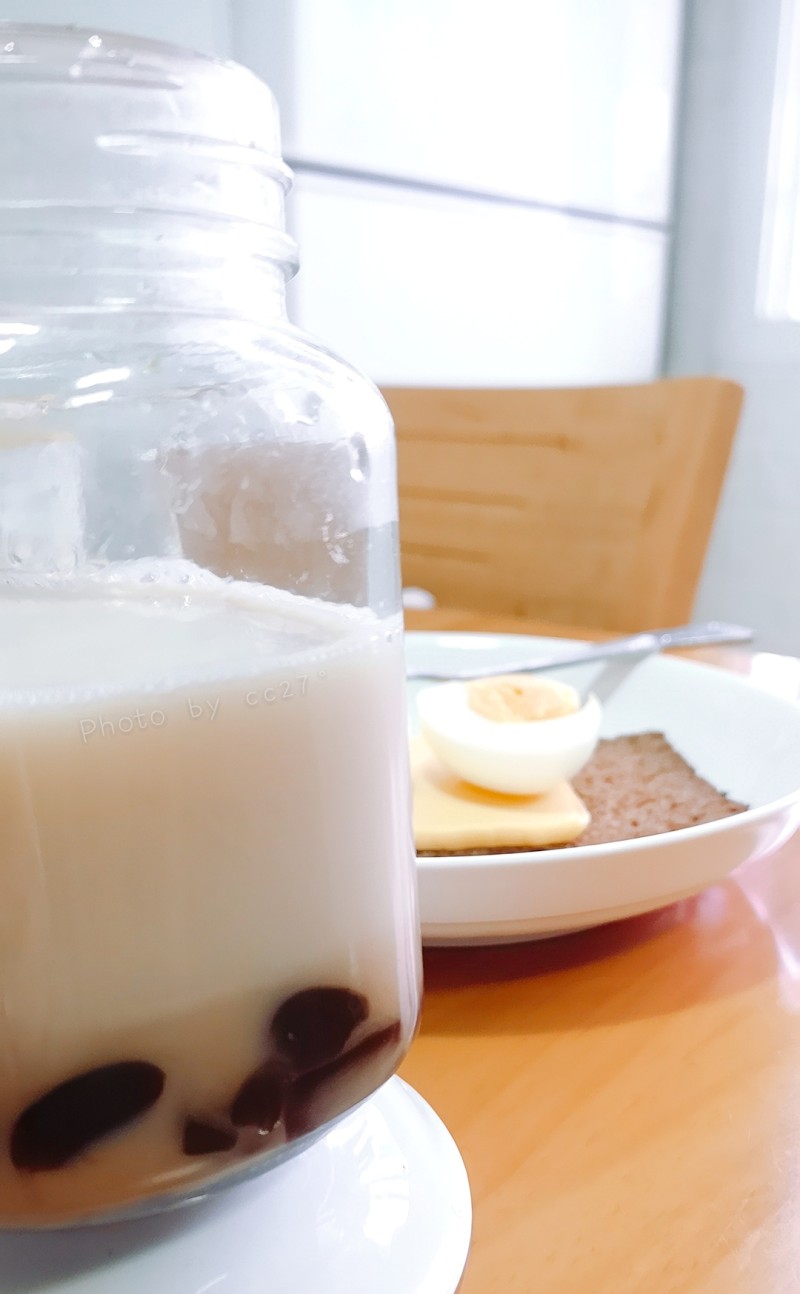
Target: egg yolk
[{"x": 519, "y": 698}]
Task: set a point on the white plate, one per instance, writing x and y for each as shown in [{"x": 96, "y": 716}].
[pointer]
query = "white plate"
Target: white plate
[
  {"x": 381, "y": 1203},
  {"x": 746, "y": 742}
]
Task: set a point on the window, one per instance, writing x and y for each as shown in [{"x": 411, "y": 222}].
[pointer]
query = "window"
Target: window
[{"x": 778, "y": 294}]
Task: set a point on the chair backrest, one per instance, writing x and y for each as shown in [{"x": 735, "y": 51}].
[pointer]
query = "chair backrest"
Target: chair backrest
[{"x": 585, "y": 506}]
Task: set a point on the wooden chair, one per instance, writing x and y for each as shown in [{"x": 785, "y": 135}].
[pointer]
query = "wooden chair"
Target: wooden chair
[{"x": 583, "y": 506}]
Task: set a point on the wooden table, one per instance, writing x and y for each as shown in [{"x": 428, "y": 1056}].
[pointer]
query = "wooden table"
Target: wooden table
[{"x": 627, "y": 1100}]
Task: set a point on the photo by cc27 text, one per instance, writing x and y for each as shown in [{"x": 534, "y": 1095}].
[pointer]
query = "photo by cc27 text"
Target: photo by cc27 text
[{"x": 207, "y": 710}]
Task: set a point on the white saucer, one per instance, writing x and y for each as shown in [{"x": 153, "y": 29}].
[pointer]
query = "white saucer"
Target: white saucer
[
  {"x": 745, "y": 741},
  {"x": 381, "y": 1203}
]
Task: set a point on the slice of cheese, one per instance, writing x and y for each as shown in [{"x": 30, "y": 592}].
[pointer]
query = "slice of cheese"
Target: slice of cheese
[{"x": 453, "y": 815}]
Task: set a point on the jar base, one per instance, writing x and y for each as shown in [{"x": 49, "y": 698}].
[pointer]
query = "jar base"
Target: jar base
[{"x": 380, "y": 1202}]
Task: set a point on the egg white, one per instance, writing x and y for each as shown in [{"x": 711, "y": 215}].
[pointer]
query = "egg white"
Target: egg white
[{"x": 518, "y": 758}]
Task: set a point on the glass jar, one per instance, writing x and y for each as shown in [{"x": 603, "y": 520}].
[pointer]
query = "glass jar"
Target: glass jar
[{"x": 209, "y": 944}]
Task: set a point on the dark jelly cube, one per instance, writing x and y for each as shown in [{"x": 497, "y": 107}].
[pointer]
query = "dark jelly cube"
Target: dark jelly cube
[
  {"x": 301, "y": 1113},
  {"x": 205, "y": 1138},
  {"x": 69, "y": 1118},
  {"x": 259, "y": 1101},
  {"x": 312, "y": 1027}
]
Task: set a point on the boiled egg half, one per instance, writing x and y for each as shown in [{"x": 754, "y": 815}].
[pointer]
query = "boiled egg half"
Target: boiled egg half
[{"x": 516, "y": 734}]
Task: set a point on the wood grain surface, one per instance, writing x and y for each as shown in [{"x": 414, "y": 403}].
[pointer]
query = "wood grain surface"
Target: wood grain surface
[
  {"x": 627, "y": 1099},
  {"x": 591, "y": 505}
]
